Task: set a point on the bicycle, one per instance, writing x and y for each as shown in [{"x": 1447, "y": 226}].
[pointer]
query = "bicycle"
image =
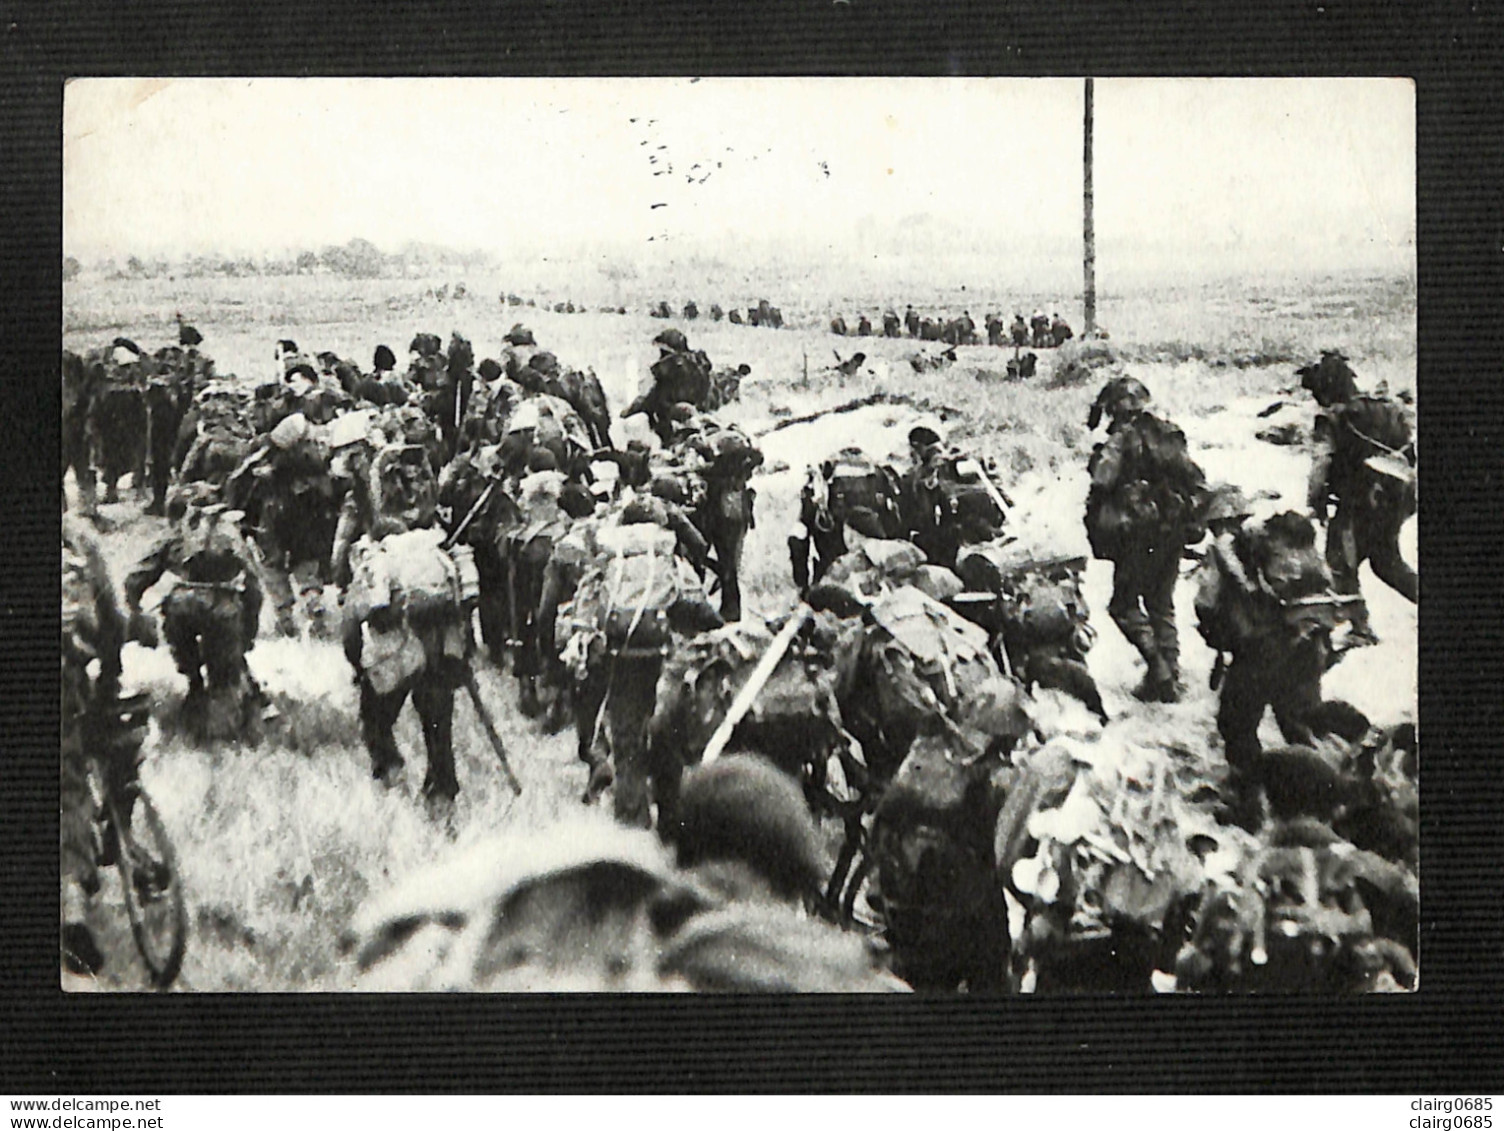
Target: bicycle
[{"x": 134, "y": 839}]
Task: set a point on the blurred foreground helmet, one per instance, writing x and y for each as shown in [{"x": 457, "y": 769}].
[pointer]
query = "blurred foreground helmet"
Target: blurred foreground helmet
[{"x": 1227, "y": 502}]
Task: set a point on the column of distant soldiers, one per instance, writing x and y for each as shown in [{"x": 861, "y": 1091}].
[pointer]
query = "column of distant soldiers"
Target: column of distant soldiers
[{"x": 455, "y": 494}]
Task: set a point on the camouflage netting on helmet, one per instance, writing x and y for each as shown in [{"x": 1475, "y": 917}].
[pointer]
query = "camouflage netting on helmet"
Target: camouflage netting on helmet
[
  {"x": 1101, "y": 844},
  {"x": 1305, "y": 910}
]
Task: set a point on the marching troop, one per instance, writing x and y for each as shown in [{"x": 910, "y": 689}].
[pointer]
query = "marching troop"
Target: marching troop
[{"x": 860, "y": 794}]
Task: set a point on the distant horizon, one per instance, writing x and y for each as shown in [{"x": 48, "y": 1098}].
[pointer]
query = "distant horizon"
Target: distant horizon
[{"x": 1192, "y": 176}]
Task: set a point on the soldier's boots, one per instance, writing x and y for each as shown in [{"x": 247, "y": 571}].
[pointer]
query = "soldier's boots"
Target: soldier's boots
[
  {"x": 1360, "y": 633},
  {"x": 527, "y": 696},
  {"x": 601, "y": 778}
]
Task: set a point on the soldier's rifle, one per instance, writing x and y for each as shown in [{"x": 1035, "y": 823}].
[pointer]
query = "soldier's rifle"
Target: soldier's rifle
[
  {"x": 1004, "y": 503},
  {"x": 470, "y": 516},
  {"x": 755, "y": 683},
  {"x": 488, "y": 725}
]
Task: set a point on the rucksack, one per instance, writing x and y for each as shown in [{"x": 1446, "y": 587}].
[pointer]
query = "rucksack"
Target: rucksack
[
  {"x": 403, "y": 492},
  {"x": 683, "y": 377},
  {"x": 858, "y": 486},
  {"x": 628, "y": 594},
  {"x": 1158, "y": 494},
  {"x": 212, "y": 534},
  {"x": 1375, "y": 453},
  {"x": 1283, "y": 568},
  {"x": 1042, "y": 607},
  {"x": 413, "y": 572}
]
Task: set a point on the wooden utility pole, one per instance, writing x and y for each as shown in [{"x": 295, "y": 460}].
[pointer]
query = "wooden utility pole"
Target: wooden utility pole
[{"x": 1088, "y": 229}]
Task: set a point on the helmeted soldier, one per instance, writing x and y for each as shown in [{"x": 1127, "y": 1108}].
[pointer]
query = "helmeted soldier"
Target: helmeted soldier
[
  {"x": 1019, "y": 330},
  {"x": 93, "y": 630},
  {"x": 293, "y": 497},
  {"x": 1365, "y": 463},
  {"x": 1060, "y": 330},
  {"x": 1141, "y": 511},
  {"x": 406, "y": 612},
  {"x": 1266, "y": 600},
  {"x": 210, "y": 616}
]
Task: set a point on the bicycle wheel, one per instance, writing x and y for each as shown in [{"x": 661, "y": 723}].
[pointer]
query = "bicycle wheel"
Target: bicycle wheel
[{"x": 152, "y": 889}]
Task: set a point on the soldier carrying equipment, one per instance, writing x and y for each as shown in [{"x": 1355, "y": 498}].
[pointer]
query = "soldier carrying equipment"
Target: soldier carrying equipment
[
  {"x": 1142, "y": 510},
  {"x": 1365, "y": 464},
  {"x": 209, "y": 618},
  {"x": 1266, "y": 599}
]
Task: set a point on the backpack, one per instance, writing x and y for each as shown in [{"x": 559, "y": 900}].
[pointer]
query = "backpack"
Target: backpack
[
  {"x": 683, "y": 377},
  {"x": 1282, "y": 567},
  {"x": 413, "y": 572},
  {"x": 628, "y": 594},
  {"x": 1375, "y": 453},
  {"x": 860, "y": 487},
  {"x": 403, "y": 492},
  {"x": 1045, "y": 607},
  {"x": 1158, "y": 494},
  {"x": 212, "y": 534}
]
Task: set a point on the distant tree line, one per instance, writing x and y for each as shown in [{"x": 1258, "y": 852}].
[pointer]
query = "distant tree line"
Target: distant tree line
[{"x": 357, "y": 259}]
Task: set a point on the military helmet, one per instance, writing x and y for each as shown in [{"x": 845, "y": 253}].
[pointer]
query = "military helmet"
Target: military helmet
[
  {"x": 542, "y": 459},
  {"x": 188, "y": 336},
  {"x": 384, "y": 359},
  {"x": 923, "y": 437},
  {"x": 743, "y": 808},
  {"x": 1227, "y": 501},
  {"x": 544, "y": 362},
  {"x": 490, "y": 369},
  {"x": 672, "y": 340},
  {"x": 1121, "y": 397},
  {"x": 291, "y": 430}
]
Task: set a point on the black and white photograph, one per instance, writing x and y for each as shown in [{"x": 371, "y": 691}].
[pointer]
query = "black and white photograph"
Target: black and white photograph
[{"x": 798, "y": 535}]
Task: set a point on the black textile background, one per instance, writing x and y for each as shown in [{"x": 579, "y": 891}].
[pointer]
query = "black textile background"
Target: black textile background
[{"x": 1444, "y": 1039}]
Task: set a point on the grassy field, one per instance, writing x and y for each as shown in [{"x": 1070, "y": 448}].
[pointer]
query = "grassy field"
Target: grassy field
[{"x": 280, "y": 843}]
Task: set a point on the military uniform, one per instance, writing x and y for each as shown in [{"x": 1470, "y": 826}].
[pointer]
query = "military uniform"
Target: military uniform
[
  {"x": 93, "y": 631},
  {"x": 1266, "y": 600},
  {"x": 1142, "y": 510},
  {"x": 210, "y": 616},
  {"x": 1365, "y": 459}
]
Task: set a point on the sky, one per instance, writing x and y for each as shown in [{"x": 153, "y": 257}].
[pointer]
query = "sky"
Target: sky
[{"x": 1262, "y": 173}]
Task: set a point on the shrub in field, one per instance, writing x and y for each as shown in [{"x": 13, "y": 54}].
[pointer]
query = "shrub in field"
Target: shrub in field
[{"x": 1082, "y": 361}]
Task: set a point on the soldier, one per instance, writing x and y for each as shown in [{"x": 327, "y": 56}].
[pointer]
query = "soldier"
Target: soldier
[
  {"x": 1060, "y": 331},
  {"x": 1020, "y": 330},
  {"x": 406, "y": 613},
  {"x": 1266, "y": 599},
  {"x": 995, "y": 328},
  {"x": 82, "y": 380},
  {"x": 93, "y": 630},
  {"x": 641, "y": 588},
  {"x": 209, "y": 617},
  {"x": 1039, "y": 327},
  {"x": 169, "y": 393},
  {"x": 864, "y": 327},
  {"x": 1142, "y": 510},
  {"x": 910, "y": 321},
  {"x": 721, "y": 908},
  {"x": 1365, "y": 463},
  {"x": 288, "y": 487},
  {"x": 947, "y": 504}
]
